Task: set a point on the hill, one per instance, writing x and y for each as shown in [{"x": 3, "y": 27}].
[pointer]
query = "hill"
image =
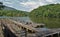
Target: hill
[
  {"x": 52, "y": 10},
  {"x": 8, "y": 8},
  {"x": 13, "y": 13},
  {"x": 8, "y": 11}
]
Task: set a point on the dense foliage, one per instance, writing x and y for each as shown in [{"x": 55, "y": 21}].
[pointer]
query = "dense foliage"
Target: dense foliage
[
  {"x": 52, "y": 10},
  {"x": 13, "y": 13}
]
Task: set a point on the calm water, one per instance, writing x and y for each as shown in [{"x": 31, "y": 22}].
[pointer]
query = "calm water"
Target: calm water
[{"x": 49, "y": 22}]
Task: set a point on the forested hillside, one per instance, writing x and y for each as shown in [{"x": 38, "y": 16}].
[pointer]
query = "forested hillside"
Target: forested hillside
[
  {"x": 52, "y": 10},
  {"x": 13, "y": 13},
  {"x": 8, "y": 11}
]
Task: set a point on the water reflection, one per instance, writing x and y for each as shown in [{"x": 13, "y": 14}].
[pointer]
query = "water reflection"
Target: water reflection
[{"x": 50, "y": 22}]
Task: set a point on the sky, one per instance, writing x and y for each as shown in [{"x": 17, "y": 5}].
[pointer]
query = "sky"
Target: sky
[{"x": 28, "y": 5}]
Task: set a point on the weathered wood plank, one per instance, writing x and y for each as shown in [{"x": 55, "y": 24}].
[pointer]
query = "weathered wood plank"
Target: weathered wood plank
[
  {"x": 24, "y": 26},
  {"x": 1, "y": 31}
]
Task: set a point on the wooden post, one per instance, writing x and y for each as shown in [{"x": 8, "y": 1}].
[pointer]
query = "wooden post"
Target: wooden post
[
  {"x": 20, "y": 31},
  {"x": 52, "y": 35},
  {"x": 58, "y": 34},
  {"x": 26, "y": 32}
]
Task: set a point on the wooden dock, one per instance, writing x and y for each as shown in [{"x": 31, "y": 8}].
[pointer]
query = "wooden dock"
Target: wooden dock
[
  {"x": 15, "y": 28},
  {"x": 1, "y": 31}
]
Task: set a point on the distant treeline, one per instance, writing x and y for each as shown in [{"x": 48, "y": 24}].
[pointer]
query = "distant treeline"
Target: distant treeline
[
  {"x": 52, "y": 10},
  {"x": 13, "y": 13}
]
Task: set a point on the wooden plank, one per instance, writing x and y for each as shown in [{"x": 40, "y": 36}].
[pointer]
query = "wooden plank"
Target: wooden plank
[
  {"x": 1, "y": 31},
  {"x": 24, "y": 26},
  {"x": 8, "y": 25}
]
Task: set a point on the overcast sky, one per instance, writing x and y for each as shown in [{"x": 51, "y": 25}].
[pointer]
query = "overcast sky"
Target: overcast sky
[{"x": 28, "y": 5}]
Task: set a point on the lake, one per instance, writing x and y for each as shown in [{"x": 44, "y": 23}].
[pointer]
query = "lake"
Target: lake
[{"x": 49, "y": 22}]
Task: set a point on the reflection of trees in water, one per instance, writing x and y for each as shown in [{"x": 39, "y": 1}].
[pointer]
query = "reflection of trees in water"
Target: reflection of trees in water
[{"x": 50, "y": 22}]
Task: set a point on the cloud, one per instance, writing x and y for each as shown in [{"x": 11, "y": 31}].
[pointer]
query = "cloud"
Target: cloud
[
  {"x": 32, "y": 4},
  {"x": 8, "y": 2},
  {"x": 28, "y": 5},
  {"x": 0, "y": 0},
  {"x": 53, "y": 1},
  {"x": 50, "y": 1}
]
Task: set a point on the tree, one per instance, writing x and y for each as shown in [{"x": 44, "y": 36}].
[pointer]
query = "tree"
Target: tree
[
  {"x": 51, "y": 10},
  {"x": 1, "y": 5}
]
